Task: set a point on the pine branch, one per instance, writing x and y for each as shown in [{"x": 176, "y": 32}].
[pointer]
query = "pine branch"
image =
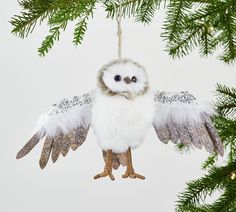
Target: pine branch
[
  {"x": 188, "y": 25},
  {"x": 218, "y": 21},
  {"x": 180, "y": 48},
  {"x": 226, "y": 102},
  {"x": 57, "y": 13},
  {"x": 226, "y": 201},
  {"x": 174, "y": 21},
  {"x": 208, "y": 10},
  {"x": 81, "y": 26},
  {"x": 210, "y": 162},
  {"x": 228, "y": 36},
  {"x": 226, "y": 129},
  {"x": 126, "y": 8},
  {"x": 198, "y": 190},
  {"x": 146, "y": 11},
  {"x": 232, "y": 152},
  {"x": 48, "y": 42},
  {"x": 226, "y": 91},
  {"x": 181, "y": 148},
  {"x": 209, "y": 40},
  {"x": 25, "y": 23}
]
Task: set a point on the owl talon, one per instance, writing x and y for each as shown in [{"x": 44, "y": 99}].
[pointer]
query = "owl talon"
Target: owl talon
[
  {"x": 108, "y": 168},
  {"x": 105, "y": 174},
  {"x": 133, "y": 175},
  {"x": 130, "y": 170}
]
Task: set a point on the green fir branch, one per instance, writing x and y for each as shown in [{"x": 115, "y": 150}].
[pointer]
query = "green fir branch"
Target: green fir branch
[
  {"x": 227, "y": 200},
  {"x": 126, "y": 8},
  {"x": 210, "y": 162},
  {"x": 33, "y": 12},
  {"x": 81, "y": 26},
  {"x": 174, "y": 21},
  {"x": 198, "y": 190},
  {"x": 183, "y": 47},
  {"x": 146, "y": 11},
  {"x": 226, "y": 101},
  {"x": 181, "y": 148},
  {"x": 180, "y": 29},
  {"x": 228, "y": 37},
  {"x": 48, "y": 42},
  {"x": 218, "y": 19}
]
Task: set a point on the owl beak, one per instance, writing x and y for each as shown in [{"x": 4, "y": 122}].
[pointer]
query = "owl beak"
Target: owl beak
[{"x": 127, "y": 80}]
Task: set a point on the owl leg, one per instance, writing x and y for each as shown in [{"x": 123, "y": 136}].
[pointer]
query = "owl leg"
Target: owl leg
[
  {"x": 108, "y": 167},
  {"x": 130, "y": 170}
]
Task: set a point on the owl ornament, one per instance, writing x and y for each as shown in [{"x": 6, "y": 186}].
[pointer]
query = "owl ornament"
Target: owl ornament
[{"x": 120, "y": 111}]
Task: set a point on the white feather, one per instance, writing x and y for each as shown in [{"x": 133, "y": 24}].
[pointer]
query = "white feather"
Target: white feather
[
  {"x": 52, "y": 123},
  {"x": 120, "y": 123},
  {"x": 181, "y": 113}
]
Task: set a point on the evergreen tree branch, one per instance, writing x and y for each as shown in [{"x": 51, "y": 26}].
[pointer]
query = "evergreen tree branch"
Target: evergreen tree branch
[
  {"x": 226, "y": 101},
  {"x": 48, "y": 42},
  {"x": 228, "y": 36},
  {"x": 181, "y": 26},
  {"x": 198, "y": 190},
  {"x": 183, "y": 47},
  {"x": 33, "y": 11},
  {"x": 147, "y": 10},
  {"x": 210, "y": 162},
  {"x": 174, "y": 21},
  {"x": 184, "y": 16},
  {"x": 126, "y": 8},
  {"x": 181, "y": 148},
  {"x": 226, "y": 201},
  {"x": 81, "y": 26}
]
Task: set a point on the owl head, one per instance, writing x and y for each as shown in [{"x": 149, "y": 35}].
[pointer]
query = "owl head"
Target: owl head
[{"x": 123, "y": 77}]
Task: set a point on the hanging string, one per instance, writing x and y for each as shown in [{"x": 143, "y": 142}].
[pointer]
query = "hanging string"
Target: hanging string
[{"x": 119, "y": 31}]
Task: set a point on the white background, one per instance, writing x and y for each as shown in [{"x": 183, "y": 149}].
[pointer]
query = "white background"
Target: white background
[{"x": 30, "y": 84}]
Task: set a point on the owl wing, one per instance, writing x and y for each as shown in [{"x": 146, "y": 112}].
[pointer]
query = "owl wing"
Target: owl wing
[
  {"x": 65, "y": 125},
  {"x": 179, "y": 117}
]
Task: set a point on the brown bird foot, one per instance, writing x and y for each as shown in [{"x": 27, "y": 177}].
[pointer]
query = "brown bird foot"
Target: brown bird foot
[
  {"x": 130, "y": 170},
  {"x": 131, "y": 174},
  {"x": 105, "y": 173},
  {"x": 108, "y": 167}
]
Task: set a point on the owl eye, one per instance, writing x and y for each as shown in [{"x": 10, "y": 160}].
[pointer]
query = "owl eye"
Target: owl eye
[
  {"x": 134, "y": 79},
  {"x": 117, "y": 78}
]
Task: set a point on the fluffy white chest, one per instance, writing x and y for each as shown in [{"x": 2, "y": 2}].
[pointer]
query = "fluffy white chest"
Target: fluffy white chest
[{"x": 120, "y": 123}]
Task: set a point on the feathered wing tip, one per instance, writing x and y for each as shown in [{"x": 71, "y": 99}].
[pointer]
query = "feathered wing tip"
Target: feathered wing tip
[
  {"x": 29, "y": 145},
  {"x": 180, "y": 117},
  {"x": 64, "y": 126}
]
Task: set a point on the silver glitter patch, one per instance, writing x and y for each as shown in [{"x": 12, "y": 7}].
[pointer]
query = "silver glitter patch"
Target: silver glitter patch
[
  {"x": 65, "y": 104},
  {"x": 169, "y": 98}
]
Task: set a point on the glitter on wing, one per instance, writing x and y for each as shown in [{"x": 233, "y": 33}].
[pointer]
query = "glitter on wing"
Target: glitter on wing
[
  {"x": 180, "y": 117},
  {"x": 65, "y": 126}
]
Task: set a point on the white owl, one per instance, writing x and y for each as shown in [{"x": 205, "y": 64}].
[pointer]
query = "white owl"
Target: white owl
[{"x": 121, "y": 111}]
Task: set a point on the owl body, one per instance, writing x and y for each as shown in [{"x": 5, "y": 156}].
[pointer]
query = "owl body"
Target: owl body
[{"x": 120, "y": 123}]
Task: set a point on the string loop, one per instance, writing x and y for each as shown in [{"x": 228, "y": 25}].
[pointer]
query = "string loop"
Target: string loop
[{"x": 119, "y": 31}]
